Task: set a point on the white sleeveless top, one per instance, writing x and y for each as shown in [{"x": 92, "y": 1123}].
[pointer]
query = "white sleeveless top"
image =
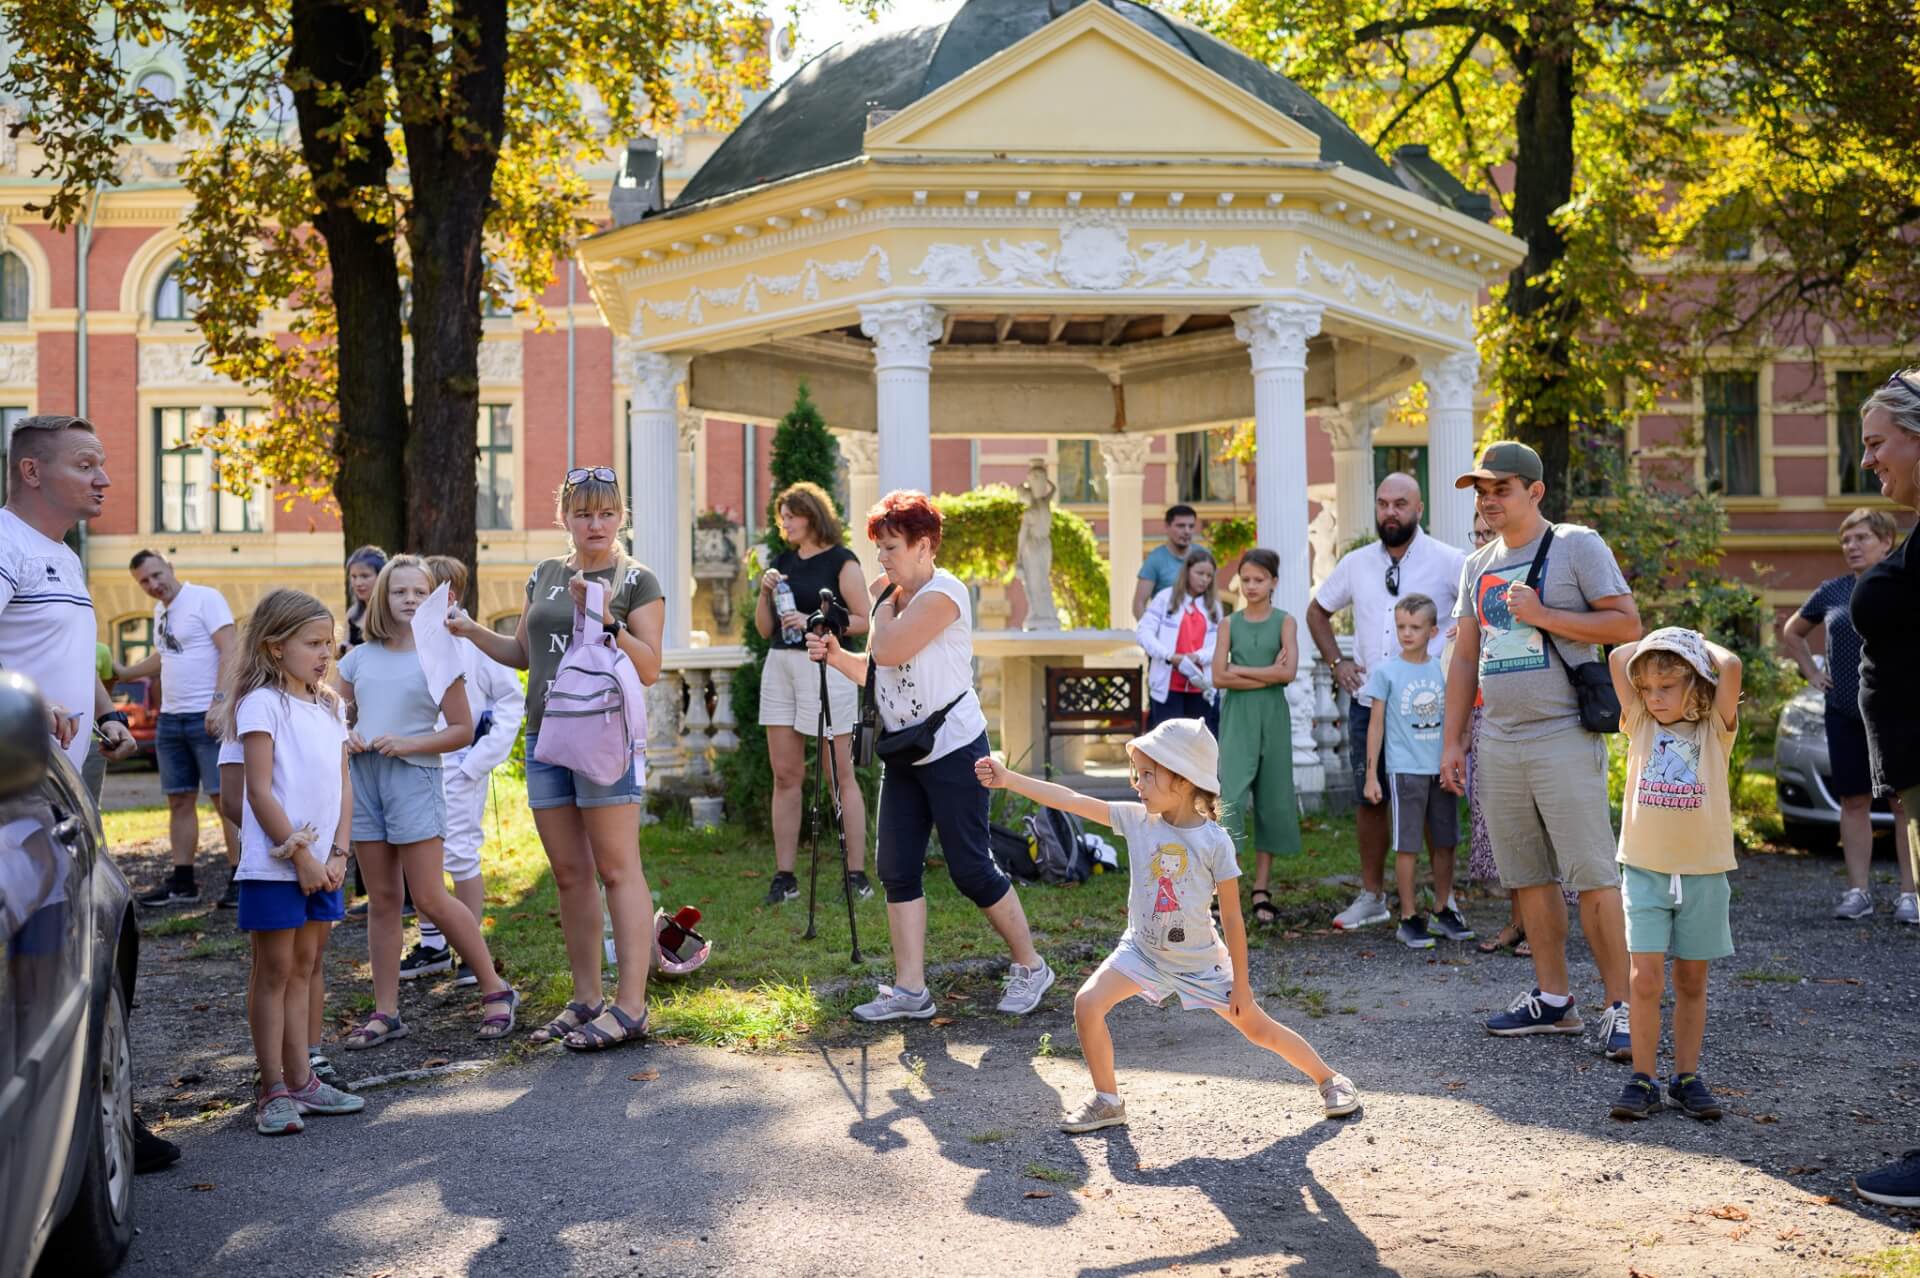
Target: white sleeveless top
[{"x": 912, "y": 691}]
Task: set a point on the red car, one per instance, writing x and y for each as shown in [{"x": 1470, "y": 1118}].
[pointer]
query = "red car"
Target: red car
[{"x": 139, "y": 700}]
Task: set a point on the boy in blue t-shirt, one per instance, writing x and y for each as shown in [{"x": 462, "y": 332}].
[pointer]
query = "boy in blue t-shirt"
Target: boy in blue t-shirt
[{"x": 1409, "y": 695}]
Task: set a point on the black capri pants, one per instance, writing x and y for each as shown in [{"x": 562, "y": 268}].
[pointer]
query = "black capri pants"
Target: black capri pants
[{"x": 915, "y": 800}]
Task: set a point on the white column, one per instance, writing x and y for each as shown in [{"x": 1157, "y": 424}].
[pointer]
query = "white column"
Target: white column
[
  {"x": 861, "y": 452},
  {"x": 1126, "y": 458},
  {"x": 903, "y": 335},
  {"x": 1276, "y": 334},
  {"x": 1350, "y": 429},
  {"x": 1450, "y": 385},
  {"x": 693, "y": 427},
  {"x": 661, "y": 516}
]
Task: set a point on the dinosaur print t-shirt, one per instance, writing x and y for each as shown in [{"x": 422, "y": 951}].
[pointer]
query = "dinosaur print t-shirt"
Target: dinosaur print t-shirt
[
  {"x": 1676, "y": 817},
  {"x": 1174, "y": 872}
]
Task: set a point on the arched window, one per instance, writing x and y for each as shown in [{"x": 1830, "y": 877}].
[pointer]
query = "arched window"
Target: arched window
[
  {"x": 171, "y": 300},
  {"x": 14, "y": 293},
  {"x": 158, "y": 84}
]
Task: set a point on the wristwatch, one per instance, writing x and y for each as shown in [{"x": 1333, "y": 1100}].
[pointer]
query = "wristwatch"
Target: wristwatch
[
  {"x": 115, "y": 716},
  {"x": 335, "y": 850}
]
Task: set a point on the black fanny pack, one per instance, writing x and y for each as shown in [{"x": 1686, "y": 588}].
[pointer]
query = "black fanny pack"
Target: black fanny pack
[
  {"x": 914, "y": 742},
  {"x": 1592, "y": 681}
]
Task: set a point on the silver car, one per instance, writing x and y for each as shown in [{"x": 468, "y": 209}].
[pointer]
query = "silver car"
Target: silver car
[
  {"x": 1802, "y": 779},
  {"x": 66, "y": 1096}
]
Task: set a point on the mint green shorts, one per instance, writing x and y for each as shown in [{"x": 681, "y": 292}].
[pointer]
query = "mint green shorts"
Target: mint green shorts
[{"x": 1694, "y": 927}]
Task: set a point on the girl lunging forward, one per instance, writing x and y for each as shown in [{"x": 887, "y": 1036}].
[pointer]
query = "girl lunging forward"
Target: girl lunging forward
[
  {"x": 1178, "y": 857},
  {"x": 298, "y": 805}
]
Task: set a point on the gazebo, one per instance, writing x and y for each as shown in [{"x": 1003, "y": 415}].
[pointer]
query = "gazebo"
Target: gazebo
[{"x": 1089, "y": 221}]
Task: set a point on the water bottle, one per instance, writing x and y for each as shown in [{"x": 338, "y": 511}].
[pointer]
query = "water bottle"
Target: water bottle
[{"x": 783, "y": 604}]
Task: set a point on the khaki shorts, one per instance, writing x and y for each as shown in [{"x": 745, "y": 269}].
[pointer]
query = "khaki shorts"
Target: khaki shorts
[
  {"x": 790, "y": 694},
  {"x": 1545, "y": 804}
]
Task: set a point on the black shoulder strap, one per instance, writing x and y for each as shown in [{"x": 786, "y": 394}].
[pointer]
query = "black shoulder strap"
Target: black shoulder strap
[
  {"x": 873, "y": 670},
  {"x": 1534, "y": 574}
]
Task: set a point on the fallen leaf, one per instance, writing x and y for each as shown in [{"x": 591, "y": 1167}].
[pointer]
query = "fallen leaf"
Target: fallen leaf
[
  {"x": 433, "y": 1062},
  {"x": 644, "y": 1076},
  {"x": 1804, "y": 1171},
  {"x": 1728, "y": 1212},
  {"x": 1765, "y": 1118},
  {"x": 1289, "y": 936},
  {"x": 199, "y": 1007},
  {"x": 1788, "y": 1235},
  {"x": 1836, "y": 980},
  {"x": 943, "y": 1020},
  {"x": 1739, "y": 1231},
  {"x": 1366, "y": 953},
  {"x": 1825, "y": 1199},
  {"x": 1455, "y": 1086},
  {"x": 1038, "y": 1193},
  {"x": 202, "y": 1187},
  {"x": 1641, "y": 1273},
  {"x": 487, "y": 921},
  {"x": 749, "y": 874}
]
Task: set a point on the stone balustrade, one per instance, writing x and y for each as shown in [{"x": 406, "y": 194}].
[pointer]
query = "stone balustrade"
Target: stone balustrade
[{"x": 690, "y": 713}]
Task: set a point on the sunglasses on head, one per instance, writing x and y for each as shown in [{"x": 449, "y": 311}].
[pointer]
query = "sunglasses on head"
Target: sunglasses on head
[
  {"x": 1907, "y": 382},
  {"x": 582, "y": 474}
]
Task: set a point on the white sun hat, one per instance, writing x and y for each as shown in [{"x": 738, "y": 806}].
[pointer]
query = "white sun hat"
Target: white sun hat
[
  {"x": 1688, "y": 645},
  {"x": 1186, "y": 748}
]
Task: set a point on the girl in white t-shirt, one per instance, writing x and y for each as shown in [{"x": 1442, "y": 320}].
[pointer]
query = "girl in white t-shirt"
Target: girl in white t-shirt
[
  {"x": 297, "y": 802},
  {"x": 1179, "y": 860}
]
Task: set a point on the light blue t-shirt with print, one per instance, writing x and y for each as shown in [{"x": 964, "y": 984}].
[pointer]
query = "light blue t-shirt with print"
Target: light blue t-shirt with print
[{"x": 1416, "y": 700}]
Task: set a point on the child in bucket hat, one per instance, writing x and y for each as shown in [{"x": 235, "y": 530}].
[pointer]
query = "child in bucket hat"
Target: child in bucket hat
[
  {"x": 1178, "y": 857},
  {"x": 1680, "y": 705}
]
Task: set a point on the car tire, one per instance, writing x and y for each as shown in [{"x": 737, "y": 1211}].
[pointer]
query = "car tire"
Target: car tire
[
  {"x": 94, "y": 1237},
  {"x": 1809, "y": 836}
]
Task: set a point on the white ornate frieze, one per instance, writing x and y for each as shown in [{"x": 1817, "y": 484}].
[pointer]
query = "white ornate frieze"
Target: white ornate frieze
[
  {"x": 903, "y": 333},
  {"x": 1095, "y": 254},
  {"x": 19, "y": 363},
  {"x": 1385, "y": 291},
  {"x": 1277, "y": 333},
  {"x": 176, "y": 364},
  {"x": 655, "y": 381},
  {"x": 860, "y": 450},
  {"x": 500, "y": 361},
  {"x": 745, "y": 296}
]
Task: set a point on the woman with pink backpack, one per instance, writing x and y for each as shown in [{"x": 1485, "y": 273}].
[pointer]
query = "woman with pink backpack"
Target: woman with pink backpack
[{"x": 588, "y": 826}]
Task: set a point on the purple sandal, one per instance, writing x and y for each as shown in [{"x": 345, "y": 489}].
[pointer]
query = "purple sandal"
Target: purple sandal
[
  {"x": 499, "y": 1022},
  {"x": 380, "y": 1027}
]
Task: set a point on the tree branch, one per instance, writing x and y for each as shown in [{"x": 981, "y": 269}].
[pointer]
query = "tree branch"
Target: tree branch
[
  {"x": 1446, "y": 77},
  {"x": 1502, "y": 33}
]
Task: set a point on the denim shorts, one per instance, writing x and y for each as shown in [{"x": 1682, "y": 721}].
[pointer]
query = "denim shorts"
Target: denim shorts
[
  {"x": 395, "y": 801},
  {"x": 555, "y": 787},
  {"x": 1696, "y": 926},
  {"x": 273, "y": 905},
  {"x": 189, "y": 755}
]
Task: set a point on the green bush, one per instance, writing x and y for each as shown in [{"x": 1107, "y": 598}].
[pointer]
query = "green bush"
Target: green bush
[{"x": 980, "y": 541}]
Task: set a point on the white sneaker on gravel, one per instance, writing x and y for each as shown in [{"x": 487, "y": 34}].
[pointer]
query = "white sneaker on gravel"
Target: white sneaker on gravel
[
  {"x": 1367, "y": 909},
  {"x": 890, "y": 1004},
  {"x": 1094, "y": 1113},
  {"x": 1025, "y": 985},
  {"x": 1855, "y": 904},
  {"x": 318, "y": 1097},
  {"x": 1340, "y": 1096},
  {"x": 1908, "y": 909}
]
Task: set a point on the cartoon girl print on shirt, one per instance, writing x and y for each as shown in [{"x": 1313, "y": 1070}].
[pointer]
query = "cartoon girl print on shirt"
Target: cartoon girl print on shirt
[{"x": 1169, "y": 863}]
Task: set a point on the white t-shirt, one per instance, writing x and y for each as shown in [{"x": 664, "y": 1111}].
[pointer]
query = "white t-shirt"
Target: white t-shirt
[
  {"x": 189, "y": 663},
  {"x": 914, "y": 690},
  {"x": 307, "y": 740},
  {"x": 47, "y": 630},
  {"x": 1174, "y": 873},
  {"x": 232, "y": 752},
  {"x": 1429, "y": 567}
]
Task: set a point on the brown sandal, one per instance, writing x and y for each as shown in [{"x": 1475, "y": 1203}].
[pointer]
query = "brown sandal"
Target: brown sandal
[{"x": 1507, "y": 938}]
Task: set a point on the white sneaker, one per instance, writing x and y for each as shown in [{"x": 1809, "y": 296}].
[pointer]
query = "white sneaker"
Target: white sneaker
[
  {"x": 1855, "y": 904},
  {"x": 1367, "y": 909},
  {"x": 1093, "y": 1114},
  {"x": 1025, "y": 985},
  {"x": 1908, "y": 909},
  {"x": 1340, "y": 1096},
  {"x": 890, "y": 1004}
]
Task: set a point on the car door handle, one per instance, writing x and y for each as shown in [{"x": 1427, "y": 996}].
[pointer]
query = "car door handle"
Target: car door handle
[{"x": 69, "y": 830}]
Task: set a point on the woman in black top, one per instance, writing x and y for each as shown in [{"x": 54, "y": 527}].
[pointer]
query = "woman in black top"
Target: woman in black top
[{"x": 816, "y": 560}]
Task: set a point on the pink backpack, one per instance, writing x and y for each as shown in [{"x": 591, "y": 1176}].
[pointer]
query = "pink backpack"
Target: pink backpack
[{"x": 595, "y": 721}]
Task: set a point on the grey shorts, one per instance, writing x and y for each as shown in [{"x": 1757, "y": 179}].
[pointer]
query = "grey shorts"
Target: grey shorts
[
  {"x": 395, "y": 801},
  {"x": 1545, "y": 804},
  {"x": 1210, "y": 988},
  {"x": 1419, "y": 807}
]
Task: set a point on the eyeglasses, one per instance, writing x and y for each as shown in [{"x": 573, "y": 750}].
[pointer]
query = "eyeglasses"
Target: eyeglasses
[
  {"x": 1393, "y": 577},
  {"x": 582, "y": 474},
  {"x": 1482, "y": 537}
]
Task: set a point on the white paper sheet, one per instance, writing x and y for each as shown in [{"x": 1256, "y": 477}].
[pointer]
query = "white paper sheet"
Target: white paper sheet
[{"x": 439, "y": 650}]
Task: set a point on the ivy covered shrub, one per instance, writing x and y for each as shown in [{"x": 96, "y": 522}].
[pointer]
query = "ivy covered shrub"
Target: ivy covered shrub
[{"x": 980, "y": 541}]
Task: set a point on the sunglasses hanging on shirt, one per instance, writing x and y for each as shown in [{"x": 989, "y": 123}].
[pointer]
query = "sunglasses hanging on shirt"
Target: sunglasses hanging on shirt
[{"x": 1393, "y": 578}]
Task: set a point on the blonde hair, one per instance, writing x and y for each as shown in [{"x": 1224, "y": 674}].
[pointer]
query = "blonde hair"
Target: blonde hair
[
  {"x": 589, "y": 491},
  {"x": 380, "y": 622},
  {"x": 1700, "y": 693},
  {"x": 1878, "y": 522},
  {"x": 1178, "y": 597},
  {"x": 277, "y": 618},
  {"x": 445, "y": 570},
  {"x": 1205, "y": 802}
]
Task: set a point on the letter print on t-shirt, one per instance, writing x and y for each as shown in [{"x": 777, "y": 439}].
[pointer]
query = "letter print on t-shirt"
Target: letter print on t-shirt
[
  {"x": 1671, "y": 778},
  {"x": 1424, "y": 705},
  {"x": 1507, "y": 646}
]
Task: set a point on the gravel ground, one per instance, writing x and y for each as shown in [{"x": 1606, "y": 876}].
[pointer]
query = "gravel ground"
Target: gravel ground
[{"x": 932, "y": 1150}]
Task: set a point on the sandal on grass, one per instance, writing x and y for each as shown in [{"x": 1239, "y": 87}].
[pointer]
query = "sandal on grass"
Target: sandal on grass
[
  {"x": 591, "y": 1038},
  {"x": 1263, "y": 911},
  {"x": 1506, "y": 939},
  {"x": 499, "y": 1022},
  {"x": 380, "y": 1028},
  {"x": 571, "y": 1018}
]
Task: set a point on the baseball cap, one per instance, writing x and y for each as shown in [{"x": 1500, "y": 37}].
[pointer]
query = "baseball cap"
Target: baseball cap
[
  {"x": 1688, "y": 645},
  {"x": 1508, "y": 457}
]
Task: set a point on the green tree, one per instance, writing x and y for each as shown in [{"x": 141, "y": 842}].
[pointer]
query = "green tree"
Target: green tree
[{"x": 375, "y": 169}]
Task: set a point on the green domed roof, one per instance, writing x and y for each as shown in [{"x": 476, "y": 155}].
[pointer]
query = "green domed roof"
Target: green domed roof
[{"x": 818, "y": 117}]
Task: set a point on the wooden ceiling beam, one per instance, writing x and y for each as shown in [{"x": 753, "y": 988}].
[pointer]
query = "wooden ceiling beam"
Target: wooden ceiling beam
[
  {"x": 1112, "y": 327},
  {"x": 1170, "y": 323},
  {"x": 1056, "y": 325},
  {"x": 1002, "y": 325}
]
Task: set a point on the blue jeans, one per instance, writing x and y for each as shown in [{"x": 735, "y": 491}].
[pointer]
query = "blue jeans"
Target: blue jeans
[
  {"x": 189, "y": 755},
  {"x": 1184, "y": 705}
]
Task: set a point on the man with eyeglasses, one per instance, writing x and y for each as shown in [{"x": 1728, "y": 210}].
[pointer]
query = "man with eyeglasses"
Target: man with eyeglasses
[{"x": 1403, "y": 561}]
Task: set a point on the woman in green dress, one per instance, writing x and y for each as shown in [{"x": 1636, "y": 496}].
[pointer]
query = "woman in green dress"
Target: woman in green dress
[{"x": 1253, "y": 662}]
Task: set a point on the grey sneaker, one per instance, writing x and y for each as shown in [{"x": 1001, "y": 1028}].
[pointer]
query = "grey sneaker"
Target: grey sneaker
[
  {"x": 1367, "y": 909},
  {"x": 278, "y": 1115},
  {"x": 324, "y": 1098},
  {"x": 1907, "y": 910},
  {"x": 1095, "y": 1113},
  {"x": 1025, "y": 985},
  {"x": 892, "y": 1004},
  {"x": 1340, "y": 1096},
  {"x": 1855, "y": 904}
]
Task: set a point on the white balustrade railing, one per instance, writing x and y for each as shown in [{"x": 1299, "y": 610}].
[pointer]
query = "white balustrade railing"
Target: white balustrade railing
[{"x": 690, "y": 712}]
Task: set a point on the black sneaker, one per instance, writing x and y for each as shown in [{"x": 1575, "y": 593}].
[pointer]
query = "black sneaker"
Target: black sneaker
[
  {"x": 151, "y": 1153},
  {"x": 1895, "y": 1185},
  {"x": 230, "y": 898},
  {"x": 858, "y": 885},
  {"x": 322, "y": 1068},
  {"x": 358, "y": 910},
  {"x": 421, "y": 961},
  {"x": 1640, "y": 1098},
  {"x": 1452, "y": 925},
  {"x": 463, "y": 975},
  {"x": 175, "y": 891},
  {"x": 783, "y": 888},
  {"x": 1413, "y": 933},
  {"x": 1686, "y": 1093}
]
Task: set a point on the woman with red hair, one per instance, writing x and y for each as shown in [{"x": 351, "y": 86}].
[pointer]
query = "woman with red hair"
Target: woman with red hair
[{"x": 921, "y": 652}]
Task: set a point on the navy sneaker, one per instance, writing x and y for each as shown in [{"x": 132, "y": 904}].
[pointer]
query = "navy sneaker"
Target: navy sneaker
[
  {"x": 1895, "y": 1185},
  {"x": 1686, "y": 1093},
  {"x": 1640, "y": 1098},
  {"x": 1530, "y": 1014},
  {"x": 1616, "y": 1039},
  {"x": 1413, "y": 933}
]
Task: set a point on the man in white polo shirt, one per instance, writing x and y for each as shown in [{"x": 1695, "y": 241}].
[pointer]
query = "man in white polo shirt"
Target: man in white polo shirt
[
  {"x": 193, "y": 637},
  {"x": 1404, "y": 561}
]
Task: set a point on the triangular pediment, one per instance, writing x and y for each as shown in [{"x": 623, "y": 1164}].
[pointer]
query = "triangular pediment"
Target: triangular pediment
[{"x": 1092, "y": 85}]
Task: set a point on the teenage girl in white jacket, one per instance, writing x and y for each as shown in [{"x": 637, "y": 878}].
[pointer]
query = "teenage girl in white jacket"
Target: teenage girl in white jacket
[{"x": 1177, "y": 631}]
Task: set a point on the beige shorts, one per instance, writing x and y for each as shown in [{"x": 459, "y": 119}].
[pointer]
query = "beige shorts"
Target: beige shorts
[
  {"x": 1545, "y": 804},
  {"x": 790, "y": 695}
]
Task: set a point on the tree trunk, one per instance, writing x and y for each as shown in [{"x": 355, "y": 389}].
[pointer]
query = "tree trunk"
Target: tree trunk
[
  {"x": 1540, "y": 400},
  {"x": 334, "y": 47},
  {"x": 451, "y": 157}
]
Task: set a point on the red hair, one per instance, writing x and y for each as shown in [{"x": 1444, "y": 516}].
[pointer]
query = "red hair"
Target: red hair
[{"x": 907, "y": 513}]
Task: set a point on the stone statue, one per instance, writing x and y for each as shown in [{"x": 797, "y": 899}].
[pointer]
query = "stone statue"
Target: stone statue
[{"x": 1036, "y": 548}]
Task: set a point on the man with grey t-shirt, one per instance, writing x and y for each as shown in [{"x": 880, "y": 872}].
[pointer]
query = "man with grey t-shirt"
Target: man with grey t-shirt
[{"x": 1541, "y": 778}]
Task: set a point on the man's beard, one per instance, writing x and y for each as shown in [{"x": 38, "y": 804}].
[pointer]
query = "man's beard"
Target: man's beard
[{"x": 1394, "y": 535}]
